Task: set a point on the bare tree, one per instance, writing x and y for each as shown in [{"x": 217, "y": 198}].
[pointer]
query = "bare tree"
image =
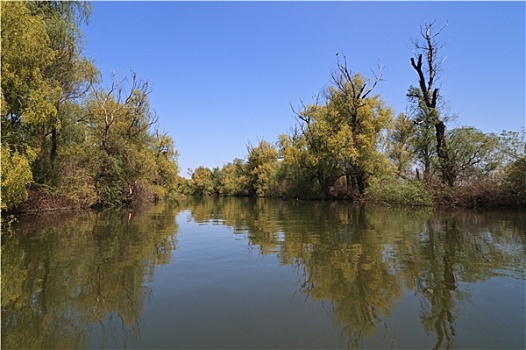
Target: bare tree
[{"x": 427, "y": 75}]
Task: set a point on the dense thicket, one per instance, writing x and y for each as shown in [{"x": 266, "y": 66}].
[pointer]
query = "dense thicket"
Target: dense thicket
[{"x": 64, "y": 136}]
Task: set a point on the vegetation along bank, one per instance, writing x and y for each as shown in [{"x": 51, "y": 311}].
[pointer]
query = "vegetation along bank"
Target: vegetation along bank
[{"x": 69, "y": 140}]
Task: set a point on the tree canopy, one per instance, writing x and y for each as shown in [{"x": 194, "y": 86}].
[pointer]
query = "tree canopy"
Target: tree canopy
[{"x": 62, "y": 131}]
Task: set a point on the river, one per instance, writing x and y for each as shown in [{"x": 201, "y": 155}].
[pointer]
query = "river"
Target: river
[{"x": 258, "y": 273}]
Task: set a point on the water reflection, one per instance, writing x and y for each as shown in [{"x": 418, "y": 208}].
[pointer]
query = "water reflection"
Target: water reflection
[
  {"x": 65, "y": 276},
  {"x": 362, "y": 259},
  {"x": 65, "y": 279}
]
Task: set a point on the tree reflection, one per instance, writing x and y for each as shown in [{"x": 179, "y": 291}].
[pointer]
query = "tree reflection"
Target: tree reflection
[
  {"x": 461, "y": 247},
  {"x": 359, "y": 258},
  {"x": 66, "y": 276}
]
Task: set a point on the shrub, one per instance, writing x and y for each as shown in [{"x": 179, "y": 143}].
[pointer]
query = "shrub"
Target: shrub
[
  {"x": 16, "y": 176},
  {"x": 397, "y": 191}
]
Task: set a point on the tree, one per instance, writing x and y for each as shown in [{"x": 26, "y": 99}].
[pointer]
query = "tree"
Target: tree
[
  {"x": 133, "y": 162},
  {"x": 427, "y": 95},
  {"x": 202, "y": 183},
  {"x": 343, "y": 134},
  {"x": 512, "y": 148},
  {"x": 70, "y": 72},
  {"x": 260, "y": 167},
  {"x": 297, "y": 169},
  {"x": 43, "y": 73},
  {"x": 96, "y": 149},
  {"x": 164, "y": 177},
  {"x": 232, "y": 179},
  {"x": 26, "y": 97},
  {"x": 401, "y": 137},
  {"x": 43, "y": 76},
  {"x": 474, "y": 154},
  {"x": 424, "y": 140}
]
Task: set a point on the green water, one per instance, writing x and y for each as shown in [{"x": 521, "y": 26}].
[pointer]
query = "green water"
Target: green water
[{"x": 245, "y": 273}]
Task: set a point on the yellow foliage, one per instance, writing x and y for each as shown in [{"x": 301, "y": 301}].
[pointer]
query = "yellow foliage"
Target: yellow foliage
[
  {"x": 16, "y": 175},
  {"x": 26, "y": 52}
]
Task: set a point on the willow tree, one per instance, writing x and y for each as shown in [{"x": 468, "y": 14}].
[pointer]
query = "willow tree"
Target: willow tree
[
  {"x": 343, "y": 134},
  {"x": 427, "y": 95},
  {"x": 26, "y": 96},
  {"x": 43, "y": 75},
  {"x": 262, "y": 162},
  {"x": 401, "y": 139},
  {"x": 70, "y": 73},
  {"x": 131, "y": 159}
]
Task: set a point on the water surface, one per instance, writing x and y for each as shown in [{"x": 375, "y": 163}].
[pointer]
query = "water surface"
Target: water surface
[{"x": 245, "y": 273}]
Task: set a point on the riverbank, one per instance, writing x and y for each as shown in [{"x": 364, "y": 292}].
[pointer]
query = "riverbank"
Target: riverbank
[{"x": 484, "y": 196}]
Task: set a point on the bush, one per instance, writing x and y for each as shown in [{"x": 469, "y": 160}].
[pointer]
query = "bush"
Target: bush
[
  {"x": 16, "y": 176},
  {"x": 397, "y": 191}
]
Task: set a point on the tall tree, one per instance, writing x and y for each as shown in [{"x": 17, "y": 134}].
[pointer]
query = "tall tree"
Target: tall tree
[
  {"x": 427, "y": 94},
  {"x": 133, "y": 160},
  {"x": 401, "y": 137},
  {"x": 261, "y": 165},
  {"x": 26, "y": 96},
  {"x": 43, "y": 76},
  {"x": 70, "y": 72},
  {"x": 344, "y": 133}
]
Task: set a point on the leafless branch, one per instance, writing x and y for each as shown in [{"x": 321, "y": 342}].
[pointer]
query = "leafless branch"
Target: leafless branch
[
  {"x": 343, "y": 79},
  {"x": 302, "y": 115},
  {"x": 377, "y": 79}
]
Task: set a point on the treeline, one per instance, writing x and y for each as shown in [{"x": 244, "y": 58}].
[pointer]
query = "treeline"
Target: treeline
[
  {"x": 348, "y": 144},
  {"x": 68, "y": 139}
]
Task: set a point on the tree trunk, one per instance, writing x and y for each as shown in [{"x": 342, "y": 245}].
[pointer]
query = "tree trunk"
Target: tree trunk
[
  {"x": 360, "y": 180},
  {"x": 53, "y": 152},
  {"x": 429, "y": 97}
]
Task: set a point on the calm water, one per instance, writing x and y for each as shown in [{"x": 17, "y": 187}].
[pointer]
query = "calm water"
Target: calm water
[{"x": 239, "y": 273}]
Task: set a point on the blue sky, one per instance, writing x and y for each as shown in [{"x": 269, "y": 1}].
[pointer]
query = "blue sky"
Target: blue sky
[{"x": 224, "y": 74}]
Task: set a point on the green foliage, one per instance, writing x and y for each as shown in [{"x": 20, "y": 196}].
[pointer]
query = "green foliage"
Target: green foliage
[
  {"x": 516, "y": 179},
  {"x": 512, "y": 148},
  {"x": 77, "y": 166},
  {"x": 401, "y": 144},
  {"x": 232, "y": 179},
  {"x": 202, "y": 182},
  {"x": 393, "y": 190},
  {"x": 261, "y": 165},
  {"x": 16, "y": 176},
  {"x": 26, "y": 54},
  {"x": 43, "y": 72},
  {"x": 473, "y": 154},
  {"x": 164, "y": 179},
  {"x": 297, "y": 168},
  {"x": 110, "y": 180},
  {"x": 340, "y": 138},
  {"x": 101, "y": 149},
  {"x": 98, "y": 145},
  {"x": 135, "y": 163}
]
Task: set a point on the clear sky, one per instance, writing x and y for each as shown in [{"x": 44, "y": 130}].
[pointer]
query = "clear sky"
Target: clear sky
[{"x": 224, "y": 74}]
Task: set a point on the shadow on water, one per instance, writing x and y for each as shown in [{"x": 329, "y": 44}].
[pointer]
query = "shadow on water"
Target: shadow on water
[{"x": 66, "y": 277}]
